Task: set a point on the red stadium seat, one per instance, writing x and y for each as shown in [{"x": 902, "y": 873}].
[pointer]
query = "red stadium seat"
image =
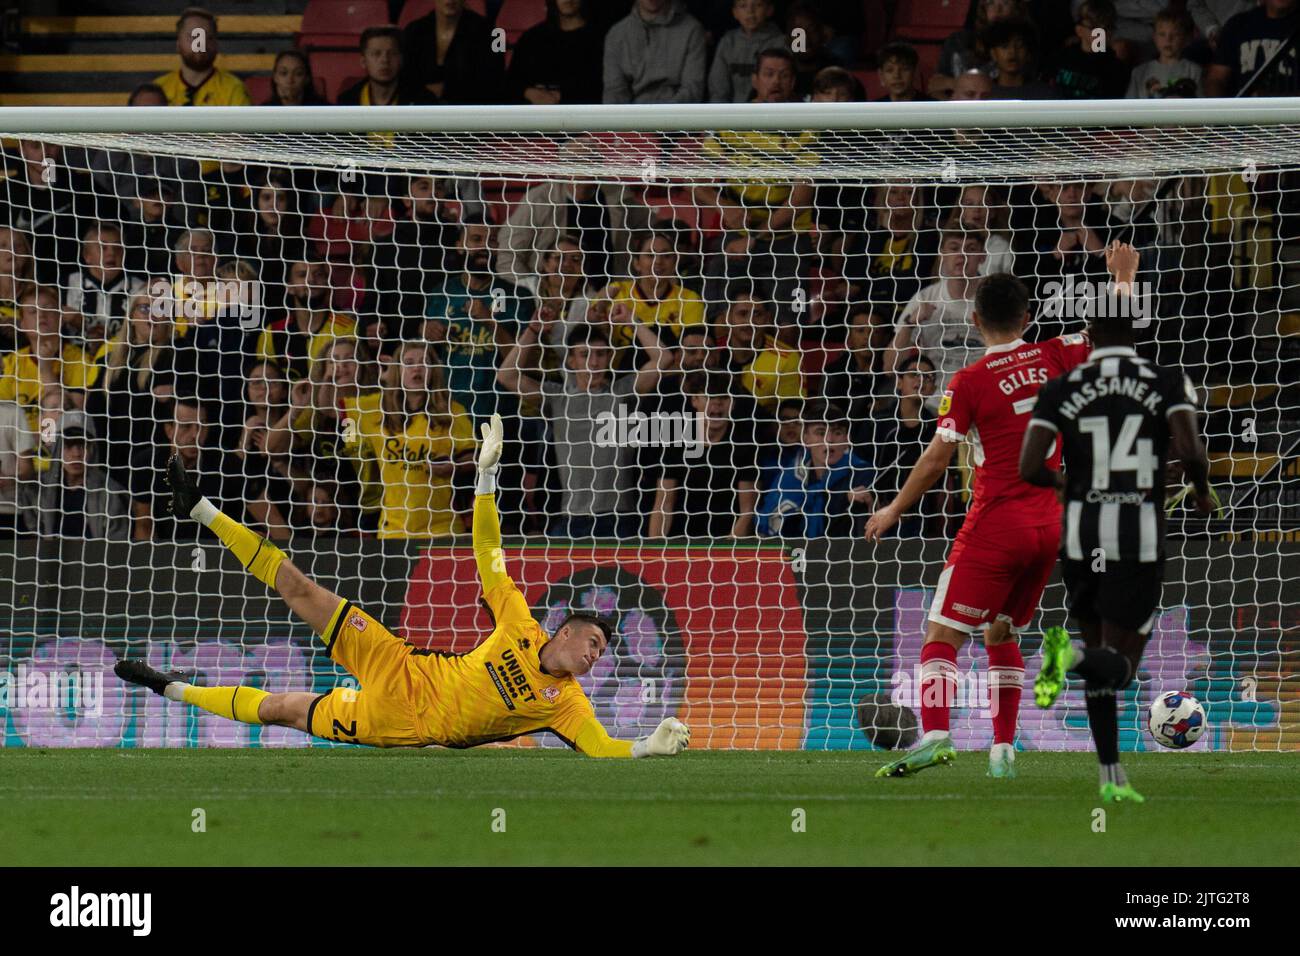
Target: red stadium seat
[
  {"x": 876, "y": 17},
  {"x": 337, "y": 24},
  {"x": 414, "y": 9},
  {"x": 929, "y": 20},
  {"x": 927, "y": 62},
  {"x": 516, "y": 16},
  {"x": 259, "y": 88},
  {"x": 336, "y": 71}
]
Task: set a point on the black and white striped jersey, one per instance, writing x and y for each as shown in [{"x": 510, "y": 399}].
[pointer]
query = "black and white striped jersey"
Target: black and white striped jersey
[{"x": 1111, "y": 416}]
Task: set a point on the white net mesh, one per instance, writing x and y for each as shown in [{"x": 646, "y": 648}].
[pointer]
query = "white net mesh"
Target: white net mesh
[{"x": 716, "y": 353}]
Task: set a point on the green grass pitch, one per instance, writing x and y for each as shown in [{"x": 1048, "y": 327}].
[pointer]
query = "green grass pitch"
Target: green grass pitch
[{"x": 431, "y": 807}]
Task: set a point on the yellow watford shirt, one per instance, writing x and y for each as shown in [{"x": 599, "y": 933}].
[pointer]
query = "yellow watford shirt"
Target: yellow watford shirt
[
  {"x": 773, "y": 375},
  {"x": 760, "y": 149},
  {"x": 372, "y": 488},
  {"x": 219, "y": 89},
  {"x": 281, "y": 342},
  {"x": 499, "y": 691},
  {"x": 20, "y": 378},
  {"x": 679, "y": 309},
  {"x": 416, "y": 503}
]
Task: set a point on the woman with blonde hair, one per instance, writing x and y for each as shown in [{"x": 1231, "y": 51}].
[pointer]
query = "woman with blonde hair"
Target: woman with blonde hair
[{"x": 420, "y": 442}]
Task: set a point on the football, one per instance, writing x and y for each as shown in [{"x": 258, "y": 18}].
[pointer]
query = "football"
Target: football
[{"x": 1176, "y": 720}]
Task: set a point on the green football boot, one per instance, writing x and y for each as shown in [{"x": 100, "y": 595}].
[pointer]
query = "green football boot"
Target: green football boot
[
  {"x": 937, "y": 751},
  {"x": 1120, "y": 793},
  {"x": 1057, "y": 654}
]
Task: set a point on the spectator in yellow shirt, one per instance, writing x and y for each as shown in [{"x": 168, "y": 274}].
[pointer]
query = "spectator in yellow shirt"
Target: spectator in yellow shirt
[
  {"x": 765, "y": 360},
  {"x": 44, "y": 359},
  {"x": 297, "y": 340},
  {"x": 198, "y": 81},
  {"x": 420, "y": 439},
  {"x": 655, "y": 295}
]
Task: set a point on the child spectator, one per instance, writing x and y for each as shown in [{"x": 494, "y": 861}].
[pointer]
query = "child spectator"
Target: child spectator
[
  {"x": 709, "y": 489},
  {"x": 1011, "y": 45},
  {"x": 730, "y": 77},
  {"x": 834, "y": 84},
  {"x": 1089, "y": 68},
  {"x": 897, "y": 71},
  {"x": 827, "y": 492},
  {"x": 559, "y": 60},
  {"x": 1169, "y": 74},
  {"x": 656, "y": 54}
]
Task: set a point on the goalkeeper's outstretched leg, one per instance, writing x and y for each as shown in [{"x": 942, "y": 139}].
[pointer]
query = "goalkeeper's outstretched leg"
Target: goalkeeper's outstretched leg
[{"x": 316, "y": 605}]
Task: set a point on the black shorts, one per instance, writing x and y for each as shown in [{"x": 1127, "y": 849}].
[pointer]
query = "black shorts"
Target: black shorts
[{"x": 1126, "y": 594}]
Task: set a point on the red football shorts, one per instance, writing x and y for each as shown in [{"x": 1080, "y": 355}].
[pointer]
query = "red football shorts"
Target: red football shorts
[{"x": 995, "y": 573}]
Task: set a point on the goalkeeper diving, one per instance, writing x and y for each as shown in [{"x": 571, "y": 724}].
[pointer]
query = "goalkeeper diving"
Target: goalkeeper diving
[{"x": 517, "y": 681}]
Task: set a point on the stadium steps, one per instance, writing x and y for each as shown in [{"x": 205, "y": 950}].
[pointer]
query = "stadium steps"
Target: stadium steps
[{"x": 80, "y": 60}]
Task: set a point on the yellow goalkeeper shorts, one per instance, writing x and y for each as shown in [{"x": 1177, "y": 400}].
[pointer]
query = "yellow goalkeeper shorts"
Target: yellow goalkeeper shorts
[{"x": 382, "y": 713}]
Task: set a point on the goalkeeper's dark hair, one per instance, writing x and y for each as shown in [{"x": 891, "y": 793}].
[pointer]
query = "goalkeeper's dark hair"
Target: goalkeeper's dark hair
[
  {"x": 586, "y": 617},
  {"x": 1002, "y": 301}
]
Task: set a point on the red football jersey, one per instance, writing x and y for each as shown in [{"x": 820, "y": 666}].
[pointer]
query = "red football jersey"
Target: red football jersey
[{"x": 988, "y": 404}]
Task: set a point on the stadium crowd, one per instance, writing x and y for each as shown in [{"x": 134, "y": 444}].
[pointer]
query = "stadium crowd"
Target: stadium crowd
[{"x": 794, "y": 340}]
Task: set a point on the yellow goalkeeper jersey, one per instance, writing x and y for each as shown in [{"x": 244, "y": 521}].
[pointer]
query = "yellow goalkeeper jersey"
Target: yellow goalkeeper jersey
[{"x": 499, "y": 690}]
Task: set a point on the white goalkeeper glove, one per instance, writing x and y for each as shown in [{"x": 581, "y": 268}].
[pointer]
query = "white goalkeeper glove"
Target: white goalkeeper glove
[
  {"x": 489, "y": 453},
  {"x": 669, "y": 739}
]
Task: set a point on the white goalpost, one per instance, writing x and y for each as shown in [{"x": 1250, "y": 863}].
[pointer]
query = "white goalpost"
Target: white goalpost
[{"x": 719, "y": 336}]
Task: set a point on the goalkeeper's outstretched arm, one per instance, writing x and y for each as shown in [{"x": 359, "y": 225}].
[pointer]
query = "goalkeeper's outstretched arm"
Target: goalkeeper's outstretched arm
[{"x": 487, "y": 525}]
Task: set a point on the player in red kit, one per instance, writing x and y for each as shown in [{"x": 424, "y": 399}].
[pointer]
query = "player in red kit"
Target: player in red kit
[{"x": 1006, "y": 550}]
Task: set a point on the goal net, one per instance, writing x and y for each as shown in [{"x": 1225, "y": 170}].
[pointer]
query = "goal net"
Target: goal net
[{"x": 719, "y": 338}]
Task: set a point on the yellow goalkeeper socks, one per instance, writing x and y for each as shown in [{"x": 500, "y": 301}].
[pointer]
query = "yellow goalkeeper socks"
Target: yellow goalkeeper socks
[
  {"x": 257, "y": 554},
  {"x": 234, "y": 703}
]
